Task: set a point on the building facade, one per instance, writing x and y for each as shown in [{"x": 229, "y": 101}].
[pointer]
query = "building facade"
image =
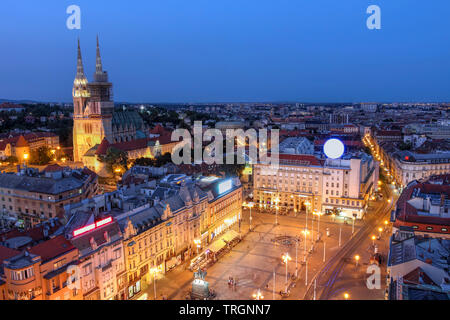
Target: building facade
[{"x": 303, "y": 182}]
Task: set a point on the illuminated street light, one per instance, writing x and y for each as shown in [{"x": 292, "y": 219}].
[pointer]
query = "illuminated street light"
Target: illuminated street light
[
  {"x": 198, "y": 244},
  {"x": 276, "y": 210},
  {"x": 317, "y": 213},
  {"x": 386, "y": 222},
  {"x": 357, "y": 259},
  {"x": 258, "y": 295},
  {"x": 346, "y": 296},
  {"x": 373, "y": 240},
  {"x": 379, "y": 231},
  {"x": 249, "y": 205},
  {"x": 353, "y": 224},
  {"x": 154, "y": 271},
  {"x": 286, "y": 258},
  {"x": 305, "y": 232}
]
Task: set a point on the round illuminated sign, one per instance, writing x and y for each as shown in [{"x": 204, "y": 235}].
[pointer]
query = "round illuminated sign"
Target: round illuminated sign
[{"x": 333, "y": 148}]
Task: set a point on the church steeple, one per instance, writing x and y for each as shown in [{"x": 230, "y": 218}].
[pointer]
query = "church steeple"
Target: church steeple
[
  {"x": 99, "y": 75},
  {"x": 98, "y": 61},
  {"x": 80, "y": 92},
  {"x": 80, "y": 70}
]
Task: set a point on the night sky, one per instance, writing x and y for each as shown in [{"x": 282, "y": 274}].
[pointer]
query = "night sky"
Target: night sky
[{"x": 230, "y": 50}]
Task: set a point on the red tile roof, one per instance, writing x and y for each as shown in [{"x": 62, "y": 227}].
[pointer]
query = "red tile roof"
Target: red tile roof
[
  {"x": 300, "y": 159},
  {"x": 131, "y": 145},
  {"x": 53, "y": 168},
  {"x": 6, "y": 253},
  {"x": 21, "y": 142},
  {"x": 52, "y": 248},
  {"x": 103, "y": 147}
]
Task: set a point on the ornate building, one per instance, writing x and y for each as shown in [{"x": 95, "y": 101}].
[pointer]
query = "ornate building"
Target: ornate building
[{"x": 95, "y": 118}]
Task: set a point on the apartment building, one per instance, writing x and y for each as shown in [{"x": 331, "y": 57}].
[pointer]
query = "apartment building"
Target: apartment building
[
  {"x": 101, "y": 266},
  {"x": 304, "y": 182},
  {"x": 30, "y": 197},
  {"x": 425, "y": 207},
  {"x": 40, "y": 272}
]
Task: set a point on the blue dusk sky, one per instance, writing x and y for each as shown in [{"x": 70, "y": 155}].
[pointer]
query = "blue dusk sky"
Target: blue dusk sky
[{"x": 230, "y": 50}]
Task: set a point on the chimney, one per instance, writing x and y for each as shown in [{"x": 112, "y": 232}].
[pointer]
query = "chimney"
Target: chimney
[
  {"x": 93, "y": 243},
  {"x": 106, "y": 235}
]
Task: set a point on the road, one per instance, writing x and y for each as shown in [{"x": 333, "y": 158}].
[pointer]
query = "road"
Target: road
[
  {"x": 339, "y": 271},
  {"x": 257, "y": 257}
]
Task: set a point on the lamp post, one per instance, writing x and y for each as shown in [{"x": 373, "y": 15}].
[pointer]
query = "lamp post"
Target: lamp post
[
  {"x": 273, "y": 288},
  {"x": 276, "y": 210},
  {"x": 249, "y": 205},
  {"x": 340, "y": 232},
  {"x": 296, "y": 257},
  {"x": 154, "y": 271},
  {"x": 312, "y": 233},
  {"x": 373, "y": 240},
  {"x": 324, "y": 252},
  {"x": 346, "y": 296},
  {"x": 380, "y": 229},
  {"x": 307, "y": 204},
  {"x": 318, "y": 223},
  {"x": 286, "y": 258},
  {"x": 258, "y": 295},
  {"x": 306, "y": 273},
  {"x": 357, "y": 260},
  {"x": 197, "y": 243},
  {"x": 305, "y": 232},
  {"x": 353, "y": 225}
]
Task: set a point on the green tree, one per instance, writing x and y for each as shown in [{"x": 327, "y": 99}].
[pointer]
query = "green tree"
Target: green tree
[
  {"x": 116, "y": 160},
  {"x": 146, "y": 162},
  {"x": 41, "y": 156},
  {"x": 12, "y": 159}
]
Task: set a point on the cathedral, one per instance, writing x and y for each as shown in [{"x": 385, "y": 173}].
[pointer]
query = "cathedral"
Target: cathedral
[{"x": 97, "y": 125}]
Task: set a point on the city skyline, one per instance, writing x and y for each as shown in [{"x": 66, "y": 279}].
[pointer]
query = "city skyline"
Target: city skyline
[{"x": 203, "y": 52}]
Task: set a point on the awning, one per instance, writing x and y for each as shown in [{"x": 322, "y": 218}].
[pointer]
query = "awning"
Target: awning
[{"x": 222, "y": 240}]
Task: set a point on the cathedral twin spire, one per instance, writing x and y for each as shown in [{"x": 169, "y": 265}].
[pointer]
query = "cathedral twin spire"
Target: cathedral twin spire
[{"x": 99, "y": 74}]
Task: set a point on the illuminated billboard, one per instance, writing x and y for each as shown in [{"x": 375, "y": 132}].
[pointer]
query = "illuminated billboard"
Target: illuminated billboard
[
  {"x": 92, "y": 226},
  {"x": 225, "y": 186}
]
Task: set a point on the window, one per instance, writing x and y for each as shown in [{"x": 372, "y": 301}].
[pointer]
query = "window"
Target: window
[
  {"x": 87, "y": 269},
  {"x": 23, "y": 274},
  {"x": 116, "y": 254}
]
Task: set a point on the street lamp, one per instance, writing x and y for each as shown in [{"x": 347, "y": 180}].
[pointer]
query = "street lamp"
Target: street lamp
[
  {"x": 318, "y": 223},
  {"x": 380, "y": 229},
  {"x": 373, "y": 240},
  {"x": 276, "y": 212},
  {"x": 357, "y": 259},
  {"x": 386, "y": 222},
  {"x": 154, "y": 271},
  {"x": 286, "y": 258},
  {"x": 307, "y": 204},
  {"x": 305, "y": 232},
  {"x": 249, "y": 205},
  {"x": 346, "y": 296},
  {"x": 353, "y": 225},
  {"x": 258, "y": 295},
  {"x": 198, "y": 243}
]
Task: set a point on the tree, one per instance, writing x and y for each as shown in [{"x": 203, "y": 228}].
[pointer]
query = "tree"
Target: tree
[
  {"x": 41, "y": 156},
  {"x": 12, "y": 159},
  {"x": 146, "y": 162},
  {"x": 116, "y": 160},
  {"x": 163, "y": 159}
]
